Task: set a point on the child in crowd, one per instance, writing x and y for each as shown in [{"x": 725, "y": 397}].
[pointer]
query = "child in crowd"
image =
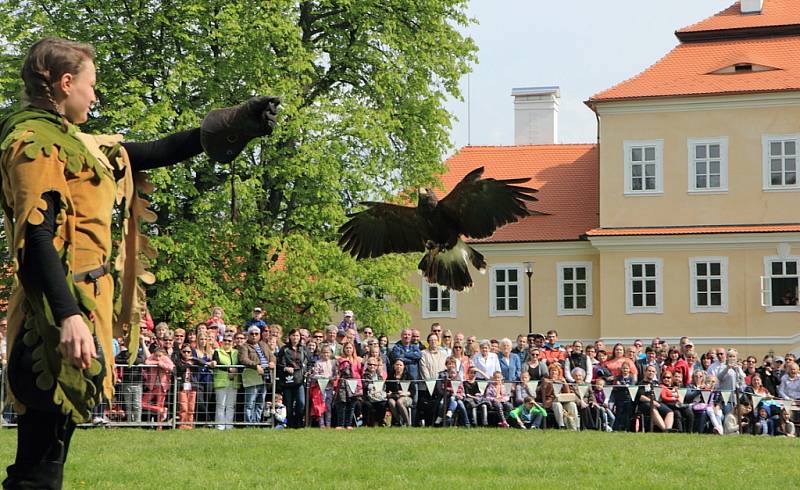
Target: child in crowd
[
  {"x": 276, "y": 412},
  {"x": 606, "y": 414},
  {"x": 454, "y": 394},
  {"x": 738, "y": 420},
  {"x": 529, "y": 415},
  {"x": 322, "y": 400},
  {"x": 498, "y": 398},
  {"x": 763, "y": 422},
  {"x": 522, "y": 390},
  {"x": 473, "y": 399},
  {"x": 785, "y": 427}
]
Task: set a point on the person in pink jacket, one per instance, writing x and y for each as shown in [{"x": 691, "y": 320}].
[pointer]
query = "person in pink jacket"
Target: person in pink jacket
[
  {"x": 350, "y": 368},
  {"x": 157, "y": 382}
]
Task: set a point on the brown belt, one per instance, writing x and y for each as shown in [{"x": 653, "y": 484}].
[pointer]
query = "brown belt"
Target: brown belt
[{"x": 91, "y": 276}]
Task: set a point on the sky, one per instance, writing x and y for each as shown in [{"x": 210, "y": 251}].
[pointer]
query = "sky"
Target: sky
[{"x": 582, "y": 46}]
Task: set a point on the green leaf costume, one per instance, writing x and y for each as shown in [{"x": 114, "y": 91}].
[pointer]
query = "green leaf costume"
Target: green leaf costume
[{"x": 90, "y": 173}]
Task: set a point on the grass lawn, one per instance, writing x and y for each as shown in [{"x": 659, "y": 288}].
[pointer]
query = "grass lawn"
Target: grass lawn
[{"x": 403, "y": 458}]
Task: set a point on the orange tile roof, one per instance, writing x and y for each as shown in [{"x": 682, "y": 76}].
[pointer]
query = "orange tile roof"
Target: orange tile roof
[
  {"x": 694, "y": 230},
  {"x": 773, "y": 13},
  {"x": 688, "y": 70},
  {"x": 567, "y": 179}
]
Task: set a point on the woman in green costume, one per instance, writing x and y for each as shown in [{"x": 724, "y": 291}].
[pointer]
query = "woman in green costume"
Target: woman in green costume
[{"x": 59, "y": 187}]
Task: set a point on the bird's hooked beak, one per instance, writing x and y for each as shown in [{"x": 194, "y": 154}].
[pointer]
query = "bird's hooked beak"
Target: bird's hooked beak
[{"x": 423, "y": 191}]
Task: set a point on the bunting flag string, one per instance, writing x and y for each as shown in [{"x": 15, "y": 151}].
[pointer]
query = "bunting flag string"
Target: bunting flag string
[
  {"x": 430, "y": 384},
  {"x": 581, "y": 389},
  {"x": 787, "y": 405}
]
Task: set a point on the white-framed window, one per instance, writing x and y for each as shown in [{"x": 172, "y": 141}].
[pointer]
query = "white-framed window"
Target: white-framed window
[
  {"x": 437, "y": 302},
  {"x": 644, "y": 167},
  {"x": 708, "y": 164},
  {"x": 780, "y": 153},
  {"x": 643, "y": 292},
  {"x": 574, "y": 288},
  {"x": 779, "y": 284},
  {"x": 709, "y": 284},
  {"x": 506, "y": 290}
]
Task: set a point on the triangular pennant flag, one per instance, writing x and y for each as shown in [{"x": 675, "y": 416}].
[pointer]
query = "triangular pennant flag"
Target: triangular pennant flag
[
  {"x": 323, "y": 383},
  {"x": 756, "y": 400},
  {"x": 582, "y": 390},
  {"x": 557, "y": 387},
  {"x": 703, "y": 396},
  {"x": 532, "y": 386},
  {"x": 378, "y": 385},
  {"x": 482, "y": 386},
  {"x": 607, "y": 391},
  {"x": 681, "y": 394},
  {"x": 726, "y": 396},
  {"x": 431, "y": 384},
  {"x": 352, "y": 384},
  {"x": 787, "y": 405},
  {"x": 657, "y": 393},
  {"x": 405, "y": 385},
  {"x": 456, "y": 385},
  {"x": 509, "y": 387},
  {"x": 632, "y": 391}
]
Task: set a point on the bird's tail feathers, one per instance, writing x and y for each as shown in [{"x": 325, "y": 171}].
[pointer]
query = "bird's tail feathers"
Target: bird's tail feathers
[{"x": 450, "y": 268}]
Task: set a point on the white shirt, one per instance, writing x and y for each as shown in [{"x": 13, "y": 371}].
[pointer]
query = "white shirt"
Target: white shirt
[{"x": 489, "y": 366}]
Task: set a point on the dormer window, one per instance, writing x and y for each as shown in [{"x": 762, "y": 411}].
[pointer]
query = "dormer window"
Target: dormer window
[{"x": 743, "y": 67}]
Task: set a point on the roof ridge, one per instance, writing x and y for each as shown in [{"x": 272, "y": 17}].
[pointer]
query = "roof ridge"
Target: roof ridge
[
  {"x": 662, "y": 58},
  {"x": 686, "y": 28}
]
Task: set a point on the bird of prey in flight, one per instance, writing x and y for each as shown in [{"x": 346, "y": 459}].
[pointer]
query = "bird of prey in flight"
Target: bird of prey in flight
[{"x": 475, "y": 208}]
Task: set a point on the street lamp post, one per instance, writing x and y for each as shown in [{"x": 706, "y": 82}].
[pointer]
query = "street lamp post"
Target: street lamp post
[{"x": 529, "y": 273}]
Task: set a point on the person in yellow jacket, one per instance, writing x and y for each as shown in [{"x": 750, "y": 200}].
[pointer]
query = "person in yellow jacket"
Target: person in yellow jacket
[
  {"x": 227, "y": 381},
  {"x": 59, "y": 188}
]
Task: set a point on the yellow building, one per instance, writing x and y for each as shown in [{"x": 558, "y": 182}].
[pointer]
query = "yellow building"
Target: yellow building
[{"x": 695, "y": 181}]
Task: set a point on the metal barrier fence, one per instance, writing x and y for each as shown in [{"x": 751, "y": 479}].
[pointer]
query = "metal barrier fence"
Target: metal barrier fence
[{"x": 152, "y": 397}]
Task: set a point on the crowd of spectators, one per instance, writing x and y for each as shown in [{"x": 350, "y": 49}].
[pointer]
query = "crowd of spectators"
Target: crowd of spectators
[{"x": 343, "y": 377}]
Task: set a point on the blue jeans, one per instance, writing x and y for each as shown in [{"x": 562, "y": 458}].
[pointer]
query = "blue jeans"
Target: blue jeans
[
  {"x": 456, "y": 404},
  {"x": 254, "y": 403}
]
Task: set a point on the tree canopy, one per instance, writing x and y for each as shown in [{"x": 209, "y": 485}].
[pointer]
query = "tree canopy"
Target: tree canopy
[{"x": 363, "y": 84}]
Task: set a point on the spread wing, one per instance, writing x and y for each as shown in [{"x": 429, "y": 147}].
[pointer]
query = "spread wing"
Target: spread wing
[
  {"x": 480, "y": 206},
  {"x": 383, "y": 228}
]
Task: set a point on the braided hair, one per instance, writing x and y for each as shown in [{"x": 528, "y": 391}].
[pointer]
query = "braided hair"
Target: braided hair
[{"x": 47, "y": 61}]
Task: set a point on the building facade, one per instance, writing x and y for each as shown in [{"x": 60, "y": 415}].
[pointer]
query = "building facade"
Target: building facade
[{"x": 691, "y": 224}]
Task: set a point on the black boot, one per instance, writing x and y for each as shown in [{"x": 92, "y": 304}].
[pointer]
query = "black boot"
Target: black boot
[{"x": 42, "y": 476}]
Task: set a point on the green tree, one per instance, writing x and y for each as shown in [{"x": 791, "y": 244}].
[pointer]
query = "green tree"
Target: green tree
[{"x": 363, "y": 84}]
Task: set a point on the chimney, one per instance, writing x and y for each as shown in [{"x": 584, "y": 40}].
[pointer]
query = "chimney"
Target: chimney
[
  {"x": 536, "y": 115},
  {"x": 751, "y": 6}
]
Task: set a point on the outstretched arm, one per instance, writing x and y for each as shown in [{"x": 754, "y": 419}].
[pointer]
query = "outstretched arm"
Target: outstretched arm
[{"x": 166, "y": 151}]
